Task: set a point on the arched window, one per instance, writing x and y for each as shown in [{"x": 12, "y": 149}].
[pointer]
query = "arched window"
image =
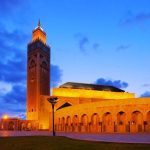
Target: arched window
[{"x": 32, "y": 64}]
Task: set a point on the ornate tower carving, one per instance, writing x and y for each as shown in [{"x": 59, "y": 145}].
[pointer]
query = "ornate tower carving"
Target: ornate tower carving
[{"x": 38, "y": 72}]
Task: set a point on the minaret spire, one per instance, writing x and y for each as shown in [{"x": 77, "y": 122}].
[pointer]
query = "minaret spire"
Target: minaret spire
[
  {"x": 39, "y": 23},
  {"x": 38, "y": 33}
]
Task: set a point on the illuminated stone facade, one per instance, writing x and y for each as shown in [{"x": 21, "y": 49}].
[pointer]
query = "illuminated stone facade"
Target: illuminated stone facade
[
  {"x": 18, "y": 124},
  {"x": 107, "y": 115},
  {"x": 38, "y": 73},
  {"x": 80, "y": 107},
  {"x": 107, "y": 111}
]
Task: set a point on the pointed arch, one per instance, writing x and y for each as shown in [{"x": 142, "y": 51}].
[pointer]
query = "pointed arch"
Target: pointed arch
[
  {"x": 75, "y": 123},
  {"x": 84, "y": 123},
  {"x": 94, "y": 126},
  {"x": 107, "y": 122},
  {"x": 136, "y": 123},
  {"x": 121, "y": 121}
]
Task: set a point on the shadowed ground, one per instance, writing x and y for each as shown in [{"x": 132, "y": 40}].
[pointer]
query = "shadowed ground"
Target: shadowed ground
[
  {"x": 62, "y": 143},
  {"x": 107, "y": 137}
]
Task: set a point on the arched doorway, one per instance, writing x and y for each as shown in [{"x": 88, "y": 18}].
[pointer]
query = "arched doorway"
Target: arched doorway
[
  {"x": 63, "y": 124},
  {"x": 29, "y": 126},
  {"x": 136, "y": 124},
  {"x": 68, "y": 124},
  {"x": 58, "y": 128},
  {"x": 148, "y": 122},
  {"x": 23, "y": 126},
  {"x": 84, "y": 123},
  {"x": 75, "y": 123},
  {"x": 121, "y": 122},
  {"x": 95, "y": 123},
  {"x": 11, "y": 125},
  {"x": 107, "y": 122}
]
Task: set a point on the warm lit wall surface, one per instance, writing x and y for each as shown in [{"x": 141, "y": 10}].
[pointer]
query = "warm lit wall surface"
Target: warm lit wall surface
[
  {"x": 45, "y": 113},
  {"x": 124, "y": 115},
  {"x": 94, "y": 113},
  {"x": 113, "y": 106},
  {"x": 17, "y": 124},
  {"x": 38, "y": 78},
  {"x": 39, "y": 34},
  {"x": 81, "y": 93}
]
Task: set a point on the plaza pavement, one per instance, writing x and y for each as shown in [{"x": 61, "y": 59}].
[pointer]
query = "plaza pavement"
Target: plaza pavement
[{"x": 105, "y": 137}]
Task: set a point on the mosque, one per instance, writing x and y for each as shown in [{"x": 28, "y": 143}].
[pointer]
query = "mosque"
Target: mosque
[{"x": 81, "y": 107}]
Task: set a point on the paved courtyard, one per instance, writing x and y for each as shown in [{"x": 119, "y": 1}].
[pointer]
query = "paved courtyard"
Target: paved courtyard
[{"x": 107, "y": 137}]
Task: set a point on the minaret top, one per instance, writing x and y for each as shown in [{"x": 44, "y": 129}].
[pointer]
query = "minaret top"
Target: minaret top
[
  {"x": 39, "y": 34},
  {"x": 39, "y": 23}
]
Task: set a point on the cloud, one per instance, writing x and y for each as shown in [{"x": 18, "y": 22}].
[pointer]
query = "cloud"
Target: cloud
[
  {"x": 116, "y": 83},
  {"x": 13, "y": 102},
  {"x": 19, "y": 112},
  {"x": 22, "y": 116},
  {"x": 56, "y": 74},
  {"x": 13, "y": 62},
  {"x": 145, "y": 94},
  {"x": 12, "y": 111},
  {"x": 85, "y": 44},
  {"x": 7, "y": 6},
  {"x": 11, "y": 37},
  {"x": 13, "y": 77},
  {"x": 133, "y": 19},
  {"x": 83, "y": 41},
  {"x": 123, "y": 47},
  {"x": 4, "y": 88},
  {"x": 16, "y": 96},
  {"x": 13, "y": 71},
  {"x": 96, "y": 46},
  {"x": 146, "y": 85}
]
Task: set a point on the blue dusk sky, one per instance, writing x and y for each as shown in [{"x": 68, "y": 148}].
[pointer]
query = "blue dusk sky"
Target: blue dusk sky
[{"x": 92, "y": 41}]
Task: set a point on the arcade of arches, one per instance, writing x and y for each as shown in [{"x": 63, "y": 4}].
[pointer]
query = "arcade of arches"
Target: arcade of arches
[
  {"x": 17, "y": 124},
  {"x": 100, "y": 111},
  {"x": 122, "y": 122},
  {"x": 88, "y": 111},
  {"x": 81, "y": 107}
]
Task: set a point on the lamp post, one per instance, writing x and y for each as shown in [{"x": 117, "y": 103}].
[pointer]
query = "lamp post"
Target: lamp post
[{"x": 53, "y": 101}]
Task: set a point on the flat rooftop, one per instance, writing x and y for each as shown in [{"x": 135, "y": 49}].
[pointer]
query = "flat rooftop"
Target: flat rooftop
[{"x": 74, "y": 85}]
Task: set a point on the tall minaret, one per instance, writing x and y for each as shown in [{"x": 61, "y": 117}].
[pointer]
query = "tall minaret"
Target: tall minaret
[{"x": 38, "y": 72}]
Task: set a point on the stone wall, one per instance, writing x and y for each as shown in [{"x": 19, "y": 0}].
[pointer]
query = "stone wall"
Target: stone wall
[{"x": 125, "y": 115}]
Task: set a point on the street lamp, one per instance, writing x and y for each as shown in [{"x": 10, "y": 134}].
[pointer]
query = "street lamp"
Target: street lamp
[
  {"x": 53, "y": 101},
  {"x": 5, "y": 117}
]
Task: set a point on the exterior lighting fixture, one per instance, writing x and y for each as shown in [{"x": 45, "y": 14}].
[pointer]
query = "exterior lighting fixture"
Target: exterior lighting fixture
[
  {"x": 53, "y": 101},
  {"x": 5, "y": 117}
]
